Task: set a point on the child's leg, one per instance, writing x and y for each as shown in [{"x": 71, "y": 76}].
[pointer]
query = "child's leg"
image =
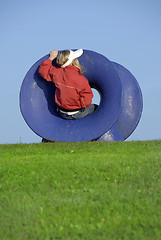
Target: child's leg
[
  {"x": 82, "y": 113},
  {"x": 85, "y": 111}
]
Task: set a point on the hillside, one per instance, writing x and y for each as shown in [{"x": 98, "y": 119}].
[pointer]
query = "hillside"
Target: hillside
[{"x": 87, "y": 190}]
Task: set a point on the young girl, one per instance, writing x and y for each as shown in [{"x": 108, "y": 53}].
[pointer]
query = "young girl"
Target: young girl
[{"x": 73, "y": 93}]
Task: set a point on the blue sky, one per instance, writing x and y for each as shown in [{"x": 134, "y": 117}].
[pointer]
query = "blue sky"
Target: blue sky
[{"x": 125, "y": 31}]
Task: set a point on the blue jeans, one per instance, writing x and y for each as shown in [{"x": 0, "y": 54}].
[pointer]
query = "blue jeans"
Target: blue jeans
[{"x": 82, "y": 113}]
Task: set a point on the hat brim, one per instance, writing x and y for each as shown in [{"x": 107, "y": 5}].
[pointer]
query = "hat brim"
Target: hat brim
[{"x": 73, "y": 55}]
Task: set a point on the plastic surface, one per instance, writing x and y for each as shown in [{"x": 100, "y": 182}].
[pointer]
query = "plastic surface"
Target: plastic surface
[
  {"x": 131, "y": 107},
  {"x": 114, "y": 120}
]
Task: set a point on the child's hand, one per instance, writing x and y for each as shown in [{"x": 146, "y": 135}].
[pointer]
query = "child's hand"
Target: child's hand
[{"x": 53, "y": 54}]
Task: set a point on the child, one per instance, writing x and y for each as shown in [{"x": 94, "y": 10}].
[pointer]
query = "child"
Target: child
[{"x": 73, "y": 94}]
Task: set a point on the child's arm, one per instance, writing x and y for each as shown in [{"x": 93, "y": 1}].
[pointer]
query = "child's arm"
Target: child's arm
[
  {"x": 46, "y": 66},
  {"x": 86, "y": 95}
]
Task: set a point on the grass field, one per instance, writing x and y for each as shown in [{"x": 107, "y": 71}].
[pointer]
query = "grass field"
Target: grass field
[{"x": 88, "y": 191}]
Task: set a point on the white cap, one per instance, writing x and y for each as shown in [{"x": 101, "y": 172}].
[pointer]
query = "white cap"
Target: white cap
[{"x": 72, "y": 56}]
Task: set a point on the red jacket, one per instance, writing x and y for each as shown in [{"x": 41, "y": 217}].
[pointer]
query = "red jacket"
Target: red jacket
[{"x": 72, "y": 89}]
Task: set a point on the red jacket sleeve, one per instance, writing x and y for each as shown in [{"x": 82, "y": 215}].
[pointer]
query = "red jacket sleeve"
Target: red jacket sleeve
[
  {"x": 45, "y": 69},
  {"x": 86, "y": 96}
]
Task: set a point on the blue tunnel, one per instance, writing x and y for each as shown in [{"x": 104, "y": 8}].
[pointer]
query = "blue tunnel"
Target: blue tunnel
[{"x": 115, "y": 119}]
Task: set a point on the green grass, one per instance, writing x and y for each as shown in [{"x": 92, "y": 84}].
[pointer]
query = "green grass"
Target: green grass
[{"x": 88, "y": 191}]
